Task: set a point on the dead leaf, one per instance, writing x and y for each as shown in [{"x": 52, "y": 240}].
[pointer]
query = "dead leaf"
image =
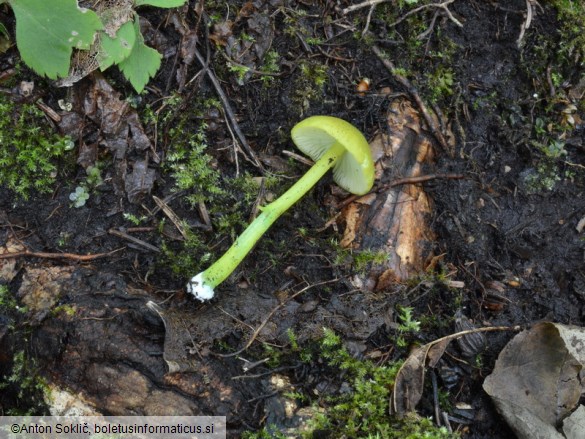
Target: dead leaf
[
  {"x": 536, "y": 381},
  {"x": 140, "y": 181},
  {"x": 351, "y": 216},
  {"x": 87, "y": 155},
  {"x": 121, "y": 133},
  {"x": 409, "y": 383},
  {"x": 470, "y": 345},
  {"x": 8, "y": 266},
  {"x": 220, "y": 32}
]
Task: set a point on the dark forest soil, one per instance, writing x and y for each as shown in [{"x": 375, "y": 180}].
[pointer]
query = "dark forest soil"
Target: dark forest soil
[{"x": 502, "y": 230}]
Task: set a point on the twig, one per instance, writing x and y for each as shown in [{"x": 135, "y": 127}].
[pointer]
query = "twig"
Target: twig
[
  {"x": 268, "y": 395},
  {"x": 298, "y": 158},
  {"x": 229, "y": 112},
  {"x": 436, "y": 398},
  {"x": 140, "y": 229},
  {"x": 442, "y": 6},
  {"x": 530, "y": 13},
  {"x": 234, "y": 144},
  {"x": 204, "y": 214},
  {"x": 171, "y": 215},
  {"x": 551, "y": 87},
  {"x": 401, "y": 181},
  {"x": 263, "y": 374},
  {"x": 365, "y": 4},
  {"x": 48, "y": 111},
  {"x": 527, "y": 20},
  {"x": 269, "y": 316},
  {"x": 414, "y": 94},
  {"x": 133, "y": 239},
  {"x": 47, "y": 255},
  {"x": 368, "y": 20},
  {"x": 422, "y": 179},
  {"x": 166, "y": 200}
]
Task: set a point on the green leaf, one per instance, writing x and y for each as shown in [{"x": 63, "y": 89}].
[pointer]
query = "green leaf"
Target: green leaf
[
  {"x": 143, "y": 62},
  {"x": 161, "y": 3},
  {"x": 116, "y": 50},
  {"x": 47, "y": 32}
]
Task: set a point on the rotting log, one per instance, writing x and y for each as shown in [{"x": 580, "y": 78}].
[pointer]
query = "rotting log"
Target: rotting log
[
  {"x": 394, "y": 219},
  {"x": 101, "y": 352}
]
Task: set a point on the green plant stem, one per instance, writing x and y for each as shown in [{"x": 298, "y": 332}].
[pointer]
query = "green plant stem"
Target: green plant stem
[{"x": 225, "y": 265}]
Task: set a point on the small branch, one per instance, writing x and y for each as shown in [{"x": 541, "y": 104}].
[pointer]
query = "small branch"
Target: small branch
[
  {"x": 133, "y": 239},
  {"x": 435, "y": 130},
  {"x": 530, "y": 13},
  {"x": 442, "y": 6},
  {"x": 422, "y": 179},
  {"x": 171, "y": 215},
  {"x": 365, "y": 4},
  {"x": 398, "y": 182},
  {"x": 228, "y": 111},
  {"x": 46, "y": 255}
]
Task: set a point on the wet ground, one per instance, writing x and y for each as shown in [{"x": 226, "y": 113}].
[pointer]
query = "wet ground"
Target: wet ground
[{"x": 508, "y": 246}]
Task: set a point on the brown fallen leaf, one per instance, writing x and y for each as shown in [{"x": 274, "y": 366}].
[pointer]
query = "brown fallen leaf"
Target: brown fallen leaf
[
  {"x": 409, "y": 383},
  {"x": 121, "y": 132},
  {"x": 536, "y": 382},
  {"x": 139, "y": 181},
  {"x": 221, "y": 31},
  {"x": 8, "y": 268}
]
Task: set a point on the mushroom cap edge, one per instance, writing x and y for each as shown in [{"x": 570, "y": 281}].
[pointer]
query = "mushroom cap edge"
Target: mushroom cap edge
[{"x": 354, "y": 171}]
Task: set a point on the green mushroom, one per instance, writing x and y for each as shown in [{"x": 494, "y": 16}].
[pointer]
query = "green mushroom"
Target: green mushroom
[{"x": 332, "y": 143}]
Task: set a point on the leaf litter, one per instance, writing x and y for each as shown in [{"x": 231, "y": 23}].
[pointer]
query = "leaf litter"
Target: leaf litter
[
  {"x": 537, "y": 382},
  {"x": 121, "y": 132},
  {"x": 474, "y": 239}
]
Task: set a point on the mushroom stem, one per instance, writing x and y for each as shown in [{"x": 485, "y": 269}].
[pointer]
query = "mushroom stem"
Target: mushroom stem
[{"x": 202, "y": 285}]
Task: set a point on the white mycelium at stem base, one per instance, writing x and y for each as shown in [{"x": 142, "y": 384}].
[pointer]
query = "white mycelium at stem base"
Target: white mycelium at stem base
[
  {"x": 332, "y": 143},
  {"x": 202, "y": 285}
]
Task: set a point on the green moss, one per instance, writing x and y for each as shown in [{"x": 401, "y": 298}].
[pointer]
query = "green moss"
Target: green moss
[
  {"x": 26, "y": 384},
  {"x": 8, "y": 303},
  {"x": 191, "y": 167},
  {"x": 273, "y": 354},
  {"x": 270, "y": 65},
  {"x": 542, "y": 178},
  {"x": 361, "y": 412},
  {"x": 309, "y": 85},
  {"x": 440, "y": 83},
  {"x": 68, "y": 310},
  {"x": 571, "y": 14},
  {"x": 29, "y": 149},
  {"x": 364, "y": 411},
  {"x": 366, "y": 258},
  {"x": 265, "y": 433},
  {"x": 185, "y": 258}
]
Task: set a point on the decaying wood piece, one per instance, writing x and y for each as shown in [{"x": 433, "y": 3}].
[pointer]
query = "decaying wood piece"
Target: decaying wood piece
[
  {"x": 395, "y": 220},
  {"x": 105, "y": 346}
]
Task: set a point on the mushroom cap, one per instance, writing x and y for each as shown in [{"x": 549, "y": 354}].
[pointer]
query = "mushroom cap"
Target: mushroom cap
[{"x": 354, "y": 170}]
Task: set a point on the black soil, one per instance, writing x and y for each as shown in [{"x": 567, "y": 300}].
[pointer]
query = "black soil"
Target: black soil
[{"x": 516, "y": 249}]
